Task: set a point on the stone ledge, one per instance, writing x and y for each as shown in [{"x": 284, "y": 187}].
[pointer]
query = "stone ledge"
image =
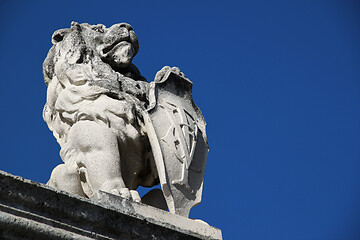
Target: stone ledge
[{"x": 31, "y": 210}]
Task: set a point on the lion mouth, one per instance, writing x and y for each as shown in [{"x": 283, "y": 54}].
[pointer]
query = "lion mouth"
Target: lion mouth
[
  {"x": 119, "y": 46},
  {"x": 116, "y": 44},
  {"x": 119, "y": 54}
]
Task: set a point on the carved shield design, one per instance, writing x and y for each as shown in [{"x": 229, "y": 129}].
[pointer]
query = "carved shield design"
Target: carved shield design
[{"x": 176, "y": 130}]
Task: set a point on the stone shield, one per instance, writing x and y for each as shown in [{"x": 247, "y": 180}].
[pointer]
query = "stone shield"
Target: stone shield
[{"x": 176, "y": 130}]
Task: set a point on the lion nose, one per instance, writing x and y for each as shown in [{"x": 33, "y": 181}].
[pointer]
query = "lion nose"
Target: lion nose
[
  {"x": 125, "y": 25},
  {"x": 117, "y": 33}
]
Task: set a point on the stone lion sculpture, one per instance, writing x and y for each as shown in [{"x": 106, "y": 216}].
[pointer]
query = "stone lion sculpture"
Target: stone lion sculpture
[
  {"x": 117, "y": 131},
  {"x": 94, "y": 98}
]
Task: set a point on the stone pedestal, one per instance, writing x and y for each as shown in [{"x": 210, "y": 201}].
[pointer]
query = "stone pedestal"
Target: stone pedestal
[{"x": 31, "y": 210}]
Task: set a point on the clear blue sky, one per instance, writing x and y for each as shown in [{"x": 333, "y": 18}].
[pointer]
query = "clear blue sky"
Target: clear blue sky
[{"x": 277, "y": 81}]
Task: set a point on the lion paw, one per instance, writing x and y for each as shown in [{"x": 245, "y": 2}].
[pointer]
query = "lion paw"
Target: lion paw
[
  {"x": 160, "y": 75},
  {"x": 127, "y": 194}
]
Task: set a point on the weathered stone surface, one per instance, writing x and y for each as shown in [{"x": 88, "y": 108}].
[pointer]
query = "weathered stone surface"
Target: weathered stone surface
[
  {"x": 116, "y": 130},
  {"x": 94, "y": 101},
  {"x": 176, "y": 129},
  {"x": 30, "y": 210}
]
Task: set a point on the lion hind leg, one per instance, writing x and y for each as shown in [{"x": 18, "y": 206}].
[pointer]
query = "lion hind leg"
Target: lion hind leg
[{"x": 65, "y": 177}]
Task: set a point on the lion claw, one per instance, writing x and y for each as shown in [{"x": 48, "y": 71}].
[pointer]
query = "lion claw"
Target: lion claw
[{"x": 127, "y": 194}]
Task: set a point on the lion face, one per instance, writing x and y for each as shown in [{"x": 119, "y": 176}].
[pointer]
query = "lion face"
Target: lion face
[
  {"x": 116, "y": 46},
  {"x": 119, "y": 45}
]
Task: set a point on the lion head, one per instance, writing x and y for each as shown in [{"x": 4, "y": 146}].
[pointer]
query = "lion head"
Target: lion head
[{"x": 115, "y": 46}]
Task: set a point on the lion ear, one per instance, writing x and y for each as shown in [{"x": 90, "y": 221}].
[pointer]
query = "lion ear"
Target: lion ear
[{"x": 58, "y": 35}]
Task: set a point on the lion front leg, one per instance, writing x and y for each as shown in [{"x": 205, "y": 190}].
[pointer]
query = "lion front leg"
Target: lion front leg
[{"x": 94, "y": 148}]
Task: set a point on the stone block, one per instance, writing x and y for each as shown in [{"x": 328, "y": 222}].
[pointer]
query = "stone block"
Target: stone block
[{"x": 31, "y": 210}]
